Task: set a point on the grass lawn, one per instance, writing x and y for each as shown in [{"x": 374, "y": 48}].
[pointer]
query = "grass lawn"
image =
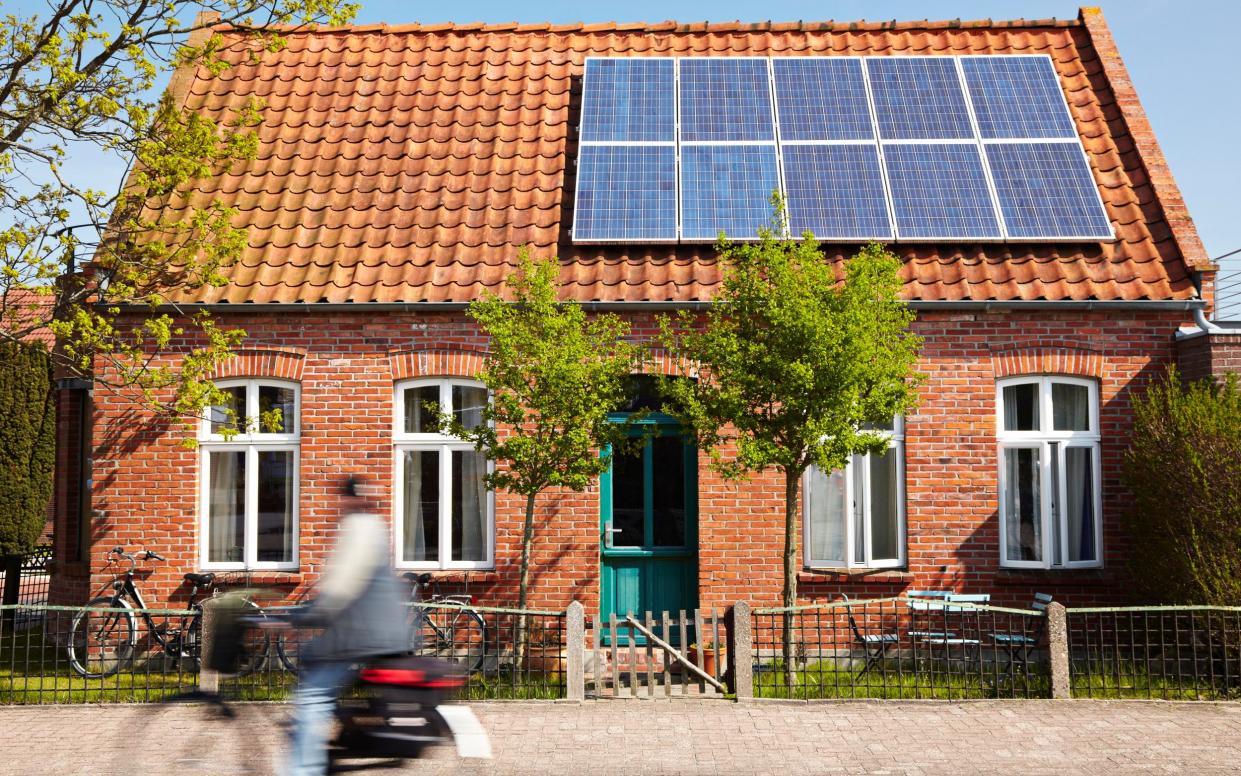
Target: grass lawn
[
  {"x": 892, "y": 681},
  {"x": 1132, "y": 681}
]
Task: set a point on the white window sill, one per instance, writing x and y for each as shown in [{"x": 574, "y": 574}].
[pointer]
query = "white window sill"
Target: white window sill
[{"x": 829, "y": 573}]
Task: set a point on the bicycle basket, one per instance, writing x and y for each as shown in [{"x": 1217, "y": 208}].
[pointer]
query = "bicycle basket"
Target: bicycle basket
[{"x": 227, "y": 624}]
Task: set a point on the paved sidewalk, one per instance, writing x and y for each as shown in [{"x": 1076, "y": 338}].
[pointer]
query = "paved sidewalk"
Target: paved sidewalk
[{"x": 677, "y": 737}]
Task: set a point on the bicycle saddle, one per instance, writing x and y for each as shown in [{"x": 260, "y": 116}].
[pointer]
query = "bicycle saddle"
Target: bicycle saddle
[
  {"x": 421, "y": 579},
  {"x": 202, "y": 580}
]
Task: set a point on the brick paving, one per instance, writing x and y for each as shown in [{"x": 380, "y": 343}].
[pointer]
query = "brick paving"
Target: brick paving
[{"x": 672, "y": 737}]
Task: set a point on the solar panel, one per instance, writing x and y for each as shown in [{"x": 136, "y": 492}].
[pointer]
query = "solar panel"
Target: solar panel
[
  {"x": 836, "y": 191},
  {"x": 1046, "y": 190},
  {"x": 726, "y": 188},
  {"x": 725, "y": 100},
  {"x": 628, "y": 100},
  {"x": 626, "y": 192},
  {"x": 918, "y": 98},
  {"x": 821, "y": 98},
  {"x": 940, "y": 192},
  {"x": 1017, "y": 97}
]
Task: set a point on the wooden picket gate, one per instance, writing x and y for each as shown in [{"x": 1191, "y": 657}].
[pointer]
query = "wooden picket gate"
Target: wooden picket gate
[{"x": 649, "y": 657}]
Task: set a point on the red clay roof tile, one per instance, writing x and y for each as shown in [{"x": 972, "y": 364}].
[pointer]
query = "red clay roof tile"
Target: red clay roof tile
[{"x": 409, "y": 164}]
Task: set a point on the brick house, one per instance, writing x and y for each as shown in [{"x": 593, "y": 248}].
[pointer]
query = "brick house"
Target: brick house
[{"x": 399, "y": 171}]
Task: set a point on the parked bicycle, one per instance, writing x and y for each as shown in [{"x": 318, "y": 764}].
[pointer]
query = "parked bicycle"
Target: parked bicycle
[
  {"x": 450, "y": 629},
  {"x": 104, "y": 635}
]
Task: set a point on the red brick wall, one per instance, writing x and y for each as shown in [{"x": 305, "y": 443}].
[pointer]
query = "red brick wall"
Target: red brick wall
[
  {"x": 1213, "y": 354},
  {"x": 145, "y": 480}
]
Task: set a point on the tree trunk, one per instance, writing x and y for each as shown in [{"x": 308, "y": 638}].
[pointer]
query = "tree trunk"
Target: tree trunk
[
  {"x": 791, "y": 481},
  {"x": 523, "y": 589}
]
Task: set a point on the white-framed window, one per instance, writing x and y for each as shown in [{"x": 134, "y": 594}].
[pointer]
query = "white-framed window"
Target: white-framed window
[
  {"x": 855, "y": 517},
  {"x": 249, "y": 489},
  {"x": 444, "y": 514},
  {"x": 1050, "y": 481}
]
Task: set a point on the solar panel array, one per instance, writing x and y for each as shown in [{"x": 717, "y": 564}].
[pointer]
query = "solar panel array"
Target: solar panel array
[{"x": 915, "y": 148}]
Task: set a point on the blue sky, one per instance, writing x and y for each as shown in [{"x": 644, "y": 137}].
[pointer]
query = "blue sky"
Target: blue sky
[{"x": 1182, "y": 56}]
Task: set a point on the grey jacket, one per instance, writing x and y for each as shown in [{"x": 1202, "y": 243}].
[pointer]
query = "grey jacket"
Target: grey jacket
[{"x": 360, "y": 604}]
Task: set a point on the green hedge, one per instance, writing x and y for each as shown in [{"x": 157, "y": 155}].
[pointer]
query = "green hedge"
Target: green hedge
[
  {"x": 27, "y": 445},
  {"x": 1184, "y": 469}
]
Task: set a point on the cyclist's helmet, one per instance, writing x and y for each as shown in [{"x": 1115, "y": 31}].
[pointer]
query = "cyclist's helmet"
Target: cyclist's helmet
[{"x": 350, "y": 487}]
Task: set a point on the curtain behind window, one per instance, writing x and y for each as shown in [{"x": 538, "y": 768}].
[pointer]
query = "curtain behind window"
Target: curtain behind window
[
  {"x": 226, "y": 507},
  {"x": 469, "y": 537},
  {"x": 827, "y": 516},
  {"x": 1079, "y": 484}
]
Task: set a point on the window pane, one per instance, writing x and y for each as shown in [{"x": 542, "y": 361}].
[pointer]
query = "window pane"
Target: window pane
[
  {"x": 467, "y": 404},
  {"x": 1021, "y": 407},
  {"x": 1080, "y": 509},
  {"x": 668, "y": 503},
  {"x": 275, "y": 517},
  {"x": 469, "y": 506},
  {"x": 884, "y": 506},
  {"x": 1023, "y": 504},
  {"x": 1070, "y": 407},
  {"x": 231, "y": 413},
  {"x": 422, "y": 409},
  {"x": 273, "y": 397},
  {"x": 827, "y": 516},
  {"x": 628, "y": 500},
  {"x": 226, "y": 506},
  {"x": 420, "y": 473}
]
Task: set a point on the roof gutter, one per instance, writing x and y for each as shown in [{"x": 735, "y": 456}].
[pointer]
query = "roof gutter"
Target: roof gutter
[{"x": 1197, "y": 306}]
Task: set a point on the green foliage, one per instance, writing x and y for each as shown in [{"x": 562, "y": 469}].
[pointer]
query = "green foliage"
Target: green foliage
[
  {"x": 81, "y": 75},
  {"x": 554, "y": 375},
  {"x": 1184, "y": 469},
  {"x": 27, "y": 445},
  {"x": 793, "y": 365}
]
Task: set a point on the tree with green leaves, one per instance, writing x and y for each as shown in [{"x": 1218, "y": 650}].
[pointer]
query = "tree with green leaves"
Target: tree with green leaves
[
  {"x": 1183, "y": 467},
  {"x": 27, "y": 445},
  {"x": 81, "y": 79},
  {"x": 794, "y": 364},
  {"x": 554, "y": 374}
]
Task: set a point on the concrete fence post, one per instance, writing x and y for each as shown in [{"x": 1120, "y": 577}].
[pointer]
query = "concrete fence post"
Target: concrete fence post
[
  {"x": 575, "y": 659},
  {"x": 208, "y": 680},
  {"x": 740, "y": 675},
  {"x": 1058, "y": 650}
]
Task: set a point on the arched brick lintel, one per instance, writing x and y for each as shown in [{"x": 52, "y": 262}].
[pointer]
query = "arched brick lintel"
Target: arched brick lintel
[
  {"x": 407, "y": 364},
  {"x": 1054, "y": 361},
  {"x": 661, "y": 362},
  {"x": 282, "y": 363}
]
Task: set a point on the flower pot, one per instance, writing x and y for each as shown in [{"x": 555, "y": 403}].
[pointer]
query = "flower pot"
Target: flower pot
[
  {"x": 547, "y": 660},
  {"x": 708, "y": 658}
]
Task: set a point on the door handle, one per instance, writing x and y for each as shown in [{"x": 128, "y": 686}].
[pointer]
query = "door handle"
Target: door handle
[{"x": 608, "y": 531}]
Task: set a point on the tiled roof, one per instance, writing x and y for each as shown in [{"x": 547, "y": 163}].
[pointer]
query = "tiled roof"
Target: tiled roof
[
  {"x": 20, "y": 312},
  {"x": 409, "y": 164}
]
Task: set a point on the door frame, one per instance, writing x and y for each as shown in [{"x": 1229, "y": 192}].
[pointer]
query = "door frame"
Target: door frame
[{"x": 654, "y": 424}]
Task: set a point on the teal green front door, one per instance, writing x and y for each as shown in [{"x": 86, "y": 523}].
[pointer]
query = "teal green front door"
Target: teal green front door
[{"x": 649, "y": 526}]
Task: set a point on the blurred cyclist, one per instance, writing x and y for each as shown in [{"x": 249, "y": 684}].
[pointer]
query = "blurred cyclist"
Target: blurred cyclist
[{"x": 361, "y": 610}]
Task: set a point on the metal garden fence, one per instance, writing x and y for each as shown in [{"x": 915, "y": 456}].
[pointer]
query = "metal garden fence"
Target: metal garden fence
[
  {"x": 1168, "y": 652},
  {"x": 900, "y": 648},
  {"x": 25, "y": 580}
]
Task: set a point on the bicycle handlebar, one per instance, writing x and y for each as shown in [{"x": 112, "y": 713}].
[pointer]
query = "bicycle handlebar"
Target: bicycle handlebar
[{"x": 119, "y": 551}]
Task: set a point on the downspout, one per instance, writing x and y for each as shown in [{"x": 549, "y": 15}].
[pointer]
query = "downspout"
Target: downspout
[{"x": 1200, "y": 318}]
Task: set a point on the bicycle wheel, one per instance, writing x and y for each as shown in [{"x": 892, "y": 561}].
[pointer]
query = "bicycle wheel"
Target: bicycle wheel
[
  {"x": 100, "y": 642},
  {"x": 456, "y": 635},
  {"x": 254, "y": 647},
  {"x": 287, "y": 649}
]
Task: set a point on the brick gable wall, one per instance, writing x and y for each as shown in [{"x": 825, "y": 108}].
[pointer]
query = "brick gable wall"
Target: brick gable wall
[{"x": 145, "y": 480}]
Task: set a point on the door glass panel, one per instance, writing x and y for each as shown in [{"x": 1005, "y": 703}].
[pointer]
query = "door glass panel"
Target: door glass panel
[
  {"x": 884, "y": 507},
  {"x": 420, "y": 475},
  {"x": 469, "y": 506},
  {"x": 272, "y": 398},
  {"x": 1021, "y": 407},
  {"x": 226, "y": 507},
  {"x": 1022, "y": 504},
  {"x": 275, "y": 517},
  {"x": 628, "y": 502},
  {"x": 827, "y": 516},
  {"x": 421, "y": 409},
  {"x": 668, "y": 507},
  {"x": 1080, "y": 506},
  {"x": 1070, "y": 407},
  {"x": 467, "y": 404}
]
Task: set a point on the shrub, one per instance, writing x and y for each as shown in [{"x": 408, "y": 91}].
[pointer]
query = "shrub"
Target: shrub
[
  {"x": 27, "y": 445},
  {"x": 1184, "y": 469}
]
